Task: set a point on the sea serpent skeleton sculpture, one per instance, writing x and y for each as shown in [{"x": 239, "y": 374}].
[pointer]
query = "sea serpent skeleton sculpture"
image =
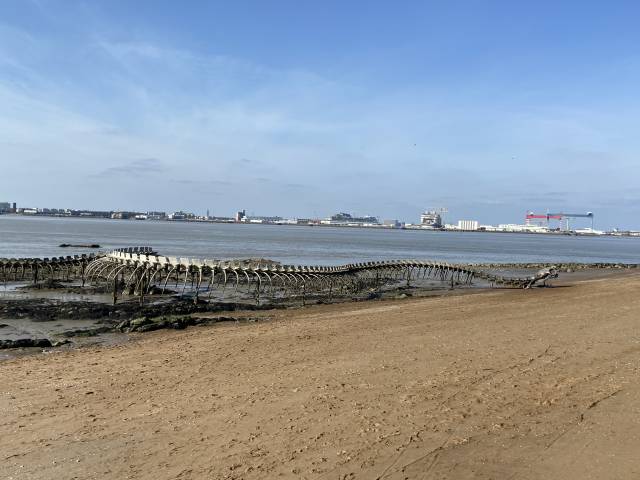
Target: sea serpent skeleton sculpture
[
  {"x": 37, "y": 269},
  {"x": 137, "y": 270}
]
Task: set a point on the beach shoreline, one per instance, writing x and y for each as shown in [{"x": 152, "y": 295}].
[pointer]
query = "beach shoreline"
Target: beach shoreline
[
  {"x": 538, "y": 383},
  {"x": 63, "y": 314}
]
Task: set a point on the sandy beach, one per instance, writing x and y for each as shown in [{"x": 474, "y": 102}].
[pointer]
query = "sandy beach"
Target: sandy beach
[{"x": 504, "y": 384}]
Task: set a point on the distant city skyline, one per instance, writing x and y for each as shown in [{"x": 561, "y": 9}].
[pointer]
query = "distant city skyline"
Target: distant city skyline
[
  {"x": 490, "y": 109},
  {"x": 429, "y": 217}
]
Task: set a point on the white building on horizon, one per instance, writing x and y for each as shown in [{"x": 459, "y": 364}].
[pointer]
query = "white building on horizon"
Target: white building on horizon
[
  {"x": 469, "y": 225},
  {"x": 514, "y": 227}
]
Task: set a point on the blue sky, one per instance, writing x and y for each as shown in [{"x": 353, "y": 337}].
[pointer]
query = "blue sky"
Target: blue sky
[{"x": 305, "y": 108}]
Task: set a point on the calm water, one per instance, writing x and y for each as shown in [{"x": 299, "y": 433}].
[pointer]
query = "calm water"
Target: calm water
[{"x": 40, "y": 237}]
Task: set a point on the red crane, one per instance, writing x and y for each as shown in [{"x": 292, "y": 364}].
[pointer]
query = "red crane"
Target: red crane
[
  {"x": 559, "y": 216},
  {"x": 547, "y": 217}
]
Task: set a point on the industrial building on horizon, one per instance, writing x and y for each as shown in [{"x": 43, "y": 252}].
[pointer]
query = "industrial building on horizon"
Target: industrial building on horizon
[
  {"x": 8, "y": 207},
  {"x": 431, "y": 219}
]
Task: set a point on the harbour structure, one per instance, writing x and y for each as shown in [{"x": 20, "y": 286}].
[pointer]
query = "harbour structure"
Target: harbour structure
[
  {"x": 262, "y": 219},
  {"x": 347, "y": 219},
  {"x": 180, "y": 215},
  {"x": 240, "y": 215},
  {"x": 431, "y": 219},
  {"x": 123, "y": 215},
  {"x": 28, "y": 211},
  {"x": 155, "y": 215},
  {"x": 589, "y": 231},
  {"x": 394, "y": 223}
]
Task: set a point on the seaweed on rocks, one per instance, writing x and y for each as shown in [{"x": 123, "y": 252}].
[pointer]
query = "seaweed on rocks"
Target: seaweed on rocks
[{"x": 44, "y": 310}]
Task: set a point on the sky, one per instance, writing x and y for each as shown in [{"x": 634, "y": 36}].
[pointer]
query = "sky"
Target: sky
[{"x": 306, "y": 108}]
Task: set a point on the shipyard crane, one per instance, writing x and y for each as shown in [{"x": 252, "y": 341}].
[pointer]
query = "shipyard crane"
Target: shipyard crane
[
  {"x": 559, "y": 216},
  {"x": 567, "y": 216}
]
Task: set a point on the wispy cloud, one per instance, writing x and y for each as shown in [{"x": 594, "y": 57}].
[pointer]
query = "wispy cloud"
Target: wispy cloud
[
  {"x": 220, "y": 183},
  {"x": 139, "y": 167}
]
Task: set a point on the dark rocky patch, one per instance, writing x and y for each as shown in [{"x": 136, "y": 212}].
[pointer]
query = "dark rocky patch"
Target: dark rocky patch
[
  {"x": 25, "y": 343},
  {"x": 87, "y": 332},
  {"x": 82, "y": 245},
  {"x": 45, "y": 310},
  {"x": 63, "y": 287},
  {"x": 146, "y": 324}
]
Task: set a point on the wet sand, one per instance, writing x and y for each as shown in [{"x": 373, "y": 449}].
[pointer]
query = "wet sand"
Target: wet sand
[{"x": 526, "y": 384}]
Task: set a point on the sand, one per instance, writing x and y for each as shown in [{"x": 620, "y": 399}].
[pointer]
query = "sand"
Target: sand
[{"x": 508, "y": 384}]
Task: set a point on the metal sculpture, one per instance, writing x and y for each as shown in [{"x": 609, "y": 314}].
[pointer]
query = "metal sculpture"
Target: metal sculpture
[
  {"x": 138, "y": 273},
  {"x": 38, "y": 269},
  {"x": 138, "y": 270},
  {"x": 54, "y": 268}
]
